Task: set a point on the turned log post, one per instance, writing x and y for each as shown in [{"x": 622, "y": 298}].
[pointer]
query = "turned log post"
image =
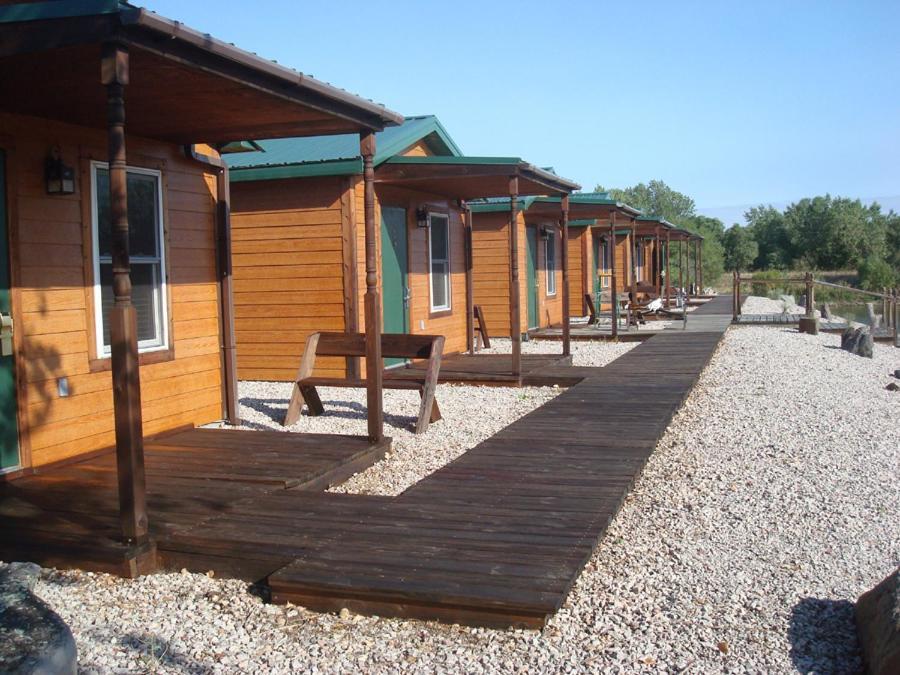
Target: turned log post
[
  {"x": 374, "y": 363},
  {"x": 668, "y": 268},
  {"x": 515, "y": 321},
  {"x": 697, "y": 289},
  {"x": 735, "y": 293},
  {"x": 632, "y": 235},
  {"x": 614, "y": 300},
  {"x": 564, "y": 260},
  {"x": 657, "y": 253},
  {"x": 681, "y": 264},
  {"x": 226, "y": 290},
  {"x": 470, "y": 286},
  {"x": 809, "y": 295},
  {"x": 700, "y": 266},
  {"x": 123, "y": 316}
]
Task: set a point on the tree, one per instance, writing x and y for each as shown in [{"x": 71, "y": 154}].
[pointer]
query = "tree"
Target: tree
[
  {"x": 740, "y": 248},
  {"x": 767, "y": 226},
  {"x": 655, "y": 198},
  {"x": 876, "y": 273},
  {"x": 834, "y": 233},
  {"x": 712, "y": 230}
]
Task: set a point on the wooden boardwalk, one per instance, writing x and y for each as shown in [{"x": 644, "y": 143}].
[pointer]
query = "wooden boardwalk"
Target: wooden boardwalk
[
  {"x": 488, "y": 369},
  {"x": 496, "y": 537},
  {"x": 68, "y": 516}
]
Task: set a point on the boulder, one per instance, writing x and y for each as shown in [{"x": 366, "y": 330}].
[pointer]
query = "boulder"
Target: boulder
[
  {"x": 878, "y": 626},
  {"x": 858, "y": 341},
  {"x": 897, "y": 373},
  {"x": 33, "y": 639}
]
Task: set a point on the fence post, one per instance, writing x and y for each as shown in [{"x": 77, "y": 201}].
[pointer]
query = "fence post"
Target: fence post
[
  {"x": 896, "y": 320},
  {"x": 734, "y": 293},
  {"x": 809, "y": 296}
]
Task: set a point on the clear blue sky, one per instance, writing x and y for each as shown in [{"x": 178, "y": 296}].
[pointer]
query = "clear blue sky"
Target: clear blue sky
[{"x": 731, "y": 103}]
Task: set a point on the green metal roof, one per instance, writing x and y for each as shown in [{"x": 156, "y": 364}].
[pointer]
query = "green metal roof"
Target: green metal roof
[
  {"x": 495, "y": 204},
  {"x": 336, "y": 155},
  {"x": 583, "y": 222},
  {"x": 655, "y": 219},
  {"x": 60, "y": 9}
]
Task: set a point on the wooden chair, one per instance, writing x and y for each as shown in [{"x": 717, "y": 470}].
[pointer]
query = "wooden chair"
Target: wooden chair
[
  {"x": 482, "y": 339},
  {"x": 592, "y": 309},
  {"x": 393, "y": 345}
]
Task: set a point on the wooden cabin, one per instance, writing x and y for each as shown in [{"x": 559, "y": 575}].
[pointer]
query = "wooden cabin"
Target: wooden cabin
[
  {"x": 540, "y": 244},
  {"x": 109, "y": 116},
  {"x": 297, "y": 253}
]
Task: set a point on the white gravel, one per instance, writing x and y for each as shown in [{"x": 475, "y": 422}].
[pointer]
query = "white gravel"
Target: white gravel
[{"x": 771, "y": 503}]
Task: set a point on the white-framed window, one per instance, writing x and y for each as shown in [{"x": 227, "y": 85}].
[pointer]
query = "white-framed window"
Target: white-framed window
[
  {"x": 550, "y": 258},
  {"x": 147, "y": 255},
  {"x": 604, "y": 264},
  {"x": 439, "y": 260}
]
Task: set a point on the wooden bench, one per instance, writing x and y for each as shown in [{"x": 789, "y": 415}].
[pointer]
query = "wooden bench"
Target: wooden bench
[
  {"x": 393, "y": 345},
  {"x": 482, "y": 339}
]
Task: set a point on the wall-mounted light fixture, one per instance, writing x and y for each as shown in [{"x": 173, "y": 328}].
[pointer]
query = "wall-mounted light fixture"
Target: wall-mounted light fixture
[
  {"x": 422, "y": 217},
  {"x": 59, "y": 177},
  {"x": 547, "y": 231}
]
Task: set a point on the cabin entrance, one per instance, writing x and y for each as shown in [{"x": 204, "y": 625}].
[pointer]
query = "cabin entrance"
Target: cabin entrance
[
  {"x": 394, "y": 273},
  {"x": 532, "y": 278},
  {"x": 598, "y": 264},
  {"x": 9, "y": 429}
]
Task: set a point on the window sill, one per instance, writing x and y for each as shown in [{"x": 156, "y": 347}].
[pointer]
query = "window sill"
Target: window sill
[
  {"x": 438, "y": 313},
  {"x": 145, "y": 359}
]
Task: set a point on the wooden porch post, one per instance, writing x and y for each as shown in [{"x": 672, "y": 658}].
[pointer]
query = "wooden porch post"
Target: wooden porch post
[
  {"x": 657, "y": 252},
  {"x": 681, "y": 263},
  {"x": 226, "y": 288},
  {"x": 470, "y": 286},
  {"x": 614, "y": 301},
  {"x": 515, "y": 322},
  {"x": 633, "y": 250},
  {"x": 123, "y": 317},
  {"x": 564, "y": 227},
  {"x": 697, "y": 289},
  {"x": 668, "y": 266},
  {"x": 700, "y": 259},
  {"x": 374, "y": 364}
]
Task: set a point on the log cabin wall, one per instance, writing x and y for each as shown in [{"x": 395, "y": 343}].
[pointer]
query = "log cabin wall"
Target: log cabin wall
[
  {"x": 549, "y": 306},
  {"x": 51, "y": 263},
  {"x": 490, "y": 268},
  {"x": 623, "y": 263},
  {"x": 289, "y": 239},
  {"x": 449, "y": 323},
  {"x": 579, "y": 268}
]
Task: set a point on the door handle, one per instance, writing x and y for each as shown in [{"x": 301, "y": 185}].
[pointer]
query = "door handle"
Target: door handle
[
  {"x": 406, "y": 296},
  {"x": 6, "y": 334}
]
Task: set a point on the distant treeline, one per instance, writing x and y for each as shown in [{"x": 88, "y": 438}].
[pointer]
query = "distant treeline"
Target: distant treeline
[{"x": 818, "y": 233}]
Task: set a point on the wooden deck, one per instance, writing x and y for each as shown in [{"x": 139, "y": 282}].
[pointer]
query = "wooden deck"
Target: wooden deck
[
  {"x": 68, "y": 516},
  {"x": 495, "y": 538},
  {"x": 488, "y": 369},
  {"x": 825, "y": 325}
]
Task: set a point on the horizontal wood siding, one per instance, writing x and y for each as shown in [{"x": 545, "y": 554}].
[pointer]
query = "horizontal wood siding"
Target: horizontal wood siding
[
  {"x": 451, "y": 324},
  {"x": 579, "y": 268},
  {"x": 490, "y": 269},
  {"x": 53, "y": 297},
  {"x": 287, "y": 254}
]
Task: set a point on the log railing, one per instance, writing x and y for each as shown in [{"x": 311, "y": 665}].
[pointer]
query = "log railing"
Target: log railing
[{"x": 889, "y": 297}]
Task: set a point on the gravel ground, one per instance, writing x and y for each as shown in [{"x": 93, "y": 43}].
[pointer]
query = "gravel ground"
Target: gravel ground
[
  {"x": 470, "y": 415},
  {"x": 770, "y": 505}
]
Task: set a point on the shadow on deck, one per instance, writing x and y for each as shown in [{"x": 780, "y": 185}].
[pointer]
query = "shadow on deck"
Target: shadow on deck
[
  {"x": 538, "y": 370},
  {"x": 67, "y": 516},
  {"x": 495, "y": 538}
]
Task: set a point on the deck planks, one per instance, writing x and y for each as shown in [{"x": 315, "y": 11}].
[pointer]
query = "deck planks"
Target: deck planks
[{"x": 498, "y": 536}]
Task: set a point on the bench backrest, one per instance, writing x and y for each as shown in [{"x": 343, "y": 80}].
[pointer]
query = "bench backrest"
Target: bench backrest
[{"x": 393, "y": 345}]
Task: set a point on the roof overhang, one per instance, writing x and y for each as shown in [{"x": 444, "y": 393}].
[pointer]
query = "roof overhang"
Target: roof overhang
[
  {"x": 470, "y": 177},
  {"x": 185, "y": 87}
]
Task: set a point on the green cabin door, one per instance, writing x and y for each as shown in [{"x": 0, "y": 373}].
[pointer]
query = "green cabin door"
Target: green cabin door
[
  {"x": 394, "y": 273},
  {"x": 9, "y": 431},
  {"x": 531, "y": 278}
]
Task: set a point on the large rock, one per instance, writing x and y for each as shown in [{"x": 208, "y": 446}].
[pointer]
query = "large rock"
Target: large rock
[
  {"x": 858, "y": 341},
  {"x": 878, "y": 626},
  {"x": 33, "y": 639}
]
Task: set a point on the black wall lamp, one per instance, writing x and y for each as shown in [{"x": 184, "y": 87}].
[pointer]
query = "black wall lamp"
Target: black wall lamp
[
  {"x": 422, "y": 217},
  {"x": 547, "y": 231},
  {"x": 59, "y": 177}
]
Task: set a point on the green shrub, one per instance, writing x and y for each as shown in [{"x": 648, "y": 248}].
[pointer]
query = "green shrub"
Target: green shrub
[{"x": 875, "y": 273}]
